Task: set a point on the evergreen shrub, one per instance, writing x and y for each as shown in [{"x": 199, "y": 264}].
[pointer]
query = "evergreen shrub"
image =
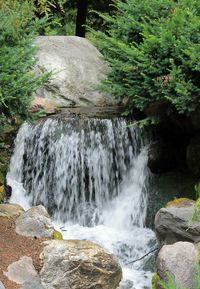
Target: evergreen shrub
[
  {"x": 18, "y": 81},
  {"x": 153, "y": 48}
]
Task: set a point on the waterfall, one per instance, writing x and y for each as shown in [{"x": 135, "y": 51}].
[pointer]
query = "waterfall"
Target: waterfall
[{"x": 92, "y": 176}]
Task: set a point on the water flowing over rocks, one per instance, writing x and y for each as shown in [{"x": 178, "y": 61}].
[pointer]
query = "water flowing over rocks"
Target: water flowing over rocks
[
  {"x": 35, "y": 223},
  {"x": 79, "y": 264},
  {"x": 179, "y": 261},
  {"x": 77, "y": 68},
  {"x": 31, "y": 263},
  {"x": 173, "y": 224},
  {"x": 91, "y": 175}
]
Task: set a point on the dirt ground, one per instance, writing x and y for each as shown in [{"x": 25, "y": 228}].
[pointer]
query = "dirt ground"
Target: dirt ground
[{"x": 14, "y": 246}]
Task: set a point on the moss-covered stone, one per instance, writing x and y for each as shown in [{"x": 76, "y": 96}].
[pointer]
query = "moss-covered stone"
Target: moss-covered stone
[
  {"x": 57, "y": 235},
  {"x": 2, "y": 193},
  {"x": 180, "y": 202}
]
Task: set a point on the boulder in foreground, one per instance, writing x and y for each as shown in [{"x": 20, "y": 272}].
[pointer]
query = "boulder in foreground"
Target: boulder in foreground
[{"x": 72, "y": 264}]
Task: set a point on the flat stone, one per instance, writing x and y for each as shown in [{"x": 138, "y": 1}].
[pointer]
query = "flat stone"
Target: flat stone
[
  {"x": 21, "y": 271},
  {"x": 10, "y": 210}
]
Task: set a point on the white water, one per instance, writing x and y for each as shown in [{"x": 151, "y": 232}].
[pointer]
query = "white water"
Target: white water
[{"x": 92, "y": 176}]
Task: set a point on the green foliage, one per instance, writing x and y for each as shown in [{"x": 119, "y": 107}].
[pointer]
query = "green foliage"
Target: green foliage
[
  {"x": 170, "y": 283},
  {"x": 196, "y": 213},
  {"x": 154, "y": 52},
  {"x": 18, "y": 81},
  {"x": 154, "y": 280}
]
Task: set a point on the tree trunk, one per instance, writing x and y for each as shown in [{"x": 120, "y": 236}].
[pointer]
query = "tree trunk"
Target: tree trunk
[{"x": 82, "y": 7}]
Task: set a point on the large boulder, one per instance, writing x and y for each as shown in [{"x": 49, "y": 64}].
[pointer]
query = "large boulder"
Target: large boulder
[
  {"x": 77, "y": 68},
  {"x": 179, "y": 261},
  {"x": 35, "y": 222},
  {"x": 174, "y": 224},
  {"x": 72, "y": 264}
]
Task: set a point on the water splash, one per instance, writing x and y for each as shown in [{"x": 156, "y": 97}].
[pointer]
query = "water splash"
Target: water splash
[{"x": 92, "y": 176}]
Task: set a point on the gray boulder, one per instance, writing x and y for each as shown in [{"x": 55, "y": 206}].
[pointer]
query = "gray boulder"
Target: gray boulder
[
  {"x": 77, "y": 68},
  {"x": 72, "y": 264},
  {"x": 174, "y": 224},
  {"x": 35, "y": 223},
  {"x": 179, "y": 261}
]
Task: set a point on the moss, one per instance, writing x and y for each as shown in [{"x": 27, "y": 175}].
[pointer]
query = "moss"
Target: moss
[
  {"x": 57, "y": 235},
  {"x": 154, "y": 280},
  {"x": 2, "y": 193},
  {"x": 180, "y": 202}
]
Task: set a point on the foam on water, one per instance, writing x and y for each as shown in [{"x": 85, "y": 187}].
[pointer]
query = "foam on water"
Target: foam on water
[{"x": 92, "y": 176}]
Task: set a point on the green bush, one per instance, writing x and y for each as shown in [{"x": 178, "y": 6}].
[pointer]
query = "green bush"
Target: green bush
[
  {"x": 18, "y": 81},
  {"x": 154, "y": 52}
]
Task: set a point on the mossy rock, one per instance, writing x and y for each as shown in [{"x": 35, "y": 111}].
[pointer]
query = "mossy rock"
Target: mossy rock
[
  {"x": 2, "y": 193},
  {"x": 57, "y": 235},
  {"x": 180, "y": 202}
]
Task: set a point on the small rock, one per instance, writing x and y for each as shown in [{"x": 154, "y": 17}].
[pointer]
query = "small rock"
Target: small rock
[
  {"x": 72, "y": 264},
  {"x": 34, "y": 284},
  {"x": 10, "y": 210},
  {"x": 21, "y": 271},
  {"x": 35, "y": 222},
  {"x": 179, "y": 261},
  {"x": 45, "y": 104},
  {"x": 1, "y": 285}
]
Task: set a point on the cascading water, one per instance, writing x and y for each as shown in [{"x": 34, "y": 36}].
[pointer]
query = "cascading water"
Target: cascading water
[{"x": 92, "y": 176}]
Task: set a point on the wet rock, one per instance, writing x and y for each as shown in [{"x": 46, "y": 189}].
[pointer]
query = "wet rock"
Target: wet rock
[
  {"x": 72, "y": 264},
  {"x": 77, "y": 68},
  {"x": 179, "y": 261},
  {"x": 35, "y": 223},
  {"x": 21, "y": 271},
  {"x": 193, "y": 155},
  {"x": 10, "y": 210},
  {"x": 172, "y": 224}
]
